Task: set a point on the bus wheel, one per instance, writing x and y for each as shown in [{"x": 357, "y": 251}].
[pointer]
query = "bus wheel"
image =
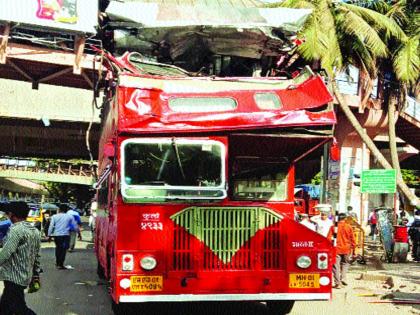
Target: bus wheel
[
  {"x": 121, "y": 308},
  {"x": 100, "y": 271},
  {"x": 279, "y": 307}
]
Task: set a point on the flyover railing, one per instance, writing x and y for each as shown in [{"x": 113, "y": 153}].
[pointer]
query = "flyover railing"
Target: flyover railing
[{"x": 75, "y": 172}]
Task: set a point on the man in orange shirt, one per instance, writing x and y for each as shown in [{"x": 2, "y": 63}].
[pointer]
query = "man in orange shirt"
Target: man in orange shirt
[{"x": 344, "y": 248}]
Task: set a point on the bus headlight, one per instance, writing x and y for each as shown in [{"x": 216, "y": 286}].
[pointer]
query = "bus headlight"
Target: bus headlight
[
  {"x": 148, "y": 263},
  {"x": 303, "y": 262}
]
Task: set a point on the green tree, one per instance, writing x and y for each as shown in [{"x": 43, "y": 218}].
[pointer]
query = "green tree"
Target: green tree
[
  {"x": 402, "y": 65},
  {"x": 316, "y": 180},
  {"x": 411, "y": 177},
  {"x": 63, "y": 192},
  {"x": 339, "y": 34}
]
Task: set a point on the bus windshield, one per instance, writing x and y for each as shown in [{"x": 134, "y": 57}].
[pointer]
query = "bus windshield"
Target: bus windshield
[{"x": 172, "y": 169}]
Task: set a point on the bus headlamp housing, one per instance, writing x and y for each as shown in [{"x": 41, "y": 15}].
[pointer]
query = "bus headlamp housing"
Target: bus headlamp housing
[
  {"x": 148, "y": 263},
  {"x": 303, "y": 262}
]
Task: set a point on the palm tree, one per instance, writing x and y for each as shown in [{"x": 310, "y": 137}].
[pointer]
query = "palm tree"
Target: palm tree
[
  {"x": 403, "y": 63},
  {"x": 338, "y": 34}
]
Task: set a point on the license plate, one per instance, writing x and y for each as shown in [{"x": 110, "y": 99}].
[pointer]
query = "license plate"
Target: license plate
[
  {"x": 304, "y": 280},
  {"x": 146, "y": 283}
]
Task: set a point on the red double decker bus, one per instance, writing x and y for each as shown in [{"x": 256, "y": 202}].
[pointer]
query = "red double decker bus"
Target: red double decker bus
[{"x": 196, "y": 193}]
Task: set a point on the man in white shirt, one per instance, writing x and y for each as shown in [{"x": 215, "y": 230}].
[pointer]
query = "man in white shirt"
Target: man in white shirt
[
  {"x": 306, "y": 222},
  {"x": 92, "y": 224},
  {"x": 323, "y": 224}
]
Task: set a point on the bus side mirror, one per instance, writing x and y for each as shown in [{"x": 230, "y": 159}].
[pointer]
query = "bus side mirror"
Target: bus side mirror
[{"x": 109, "y": 150}]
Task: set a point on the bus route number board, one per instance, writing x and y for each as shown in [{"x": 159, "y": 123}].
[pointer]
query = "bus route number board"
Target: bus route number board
[
  {"x": 304, "y": 280},
  {"x": 146, "y": 283}
]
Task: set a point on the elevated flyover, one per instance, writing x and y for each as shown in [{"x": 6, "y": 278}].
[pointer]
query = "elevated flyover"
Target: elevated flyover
[
  {"x": 72, "y": 172},
  {"x": 51, "y": 122},
  {"x": 47, "y": 78}
]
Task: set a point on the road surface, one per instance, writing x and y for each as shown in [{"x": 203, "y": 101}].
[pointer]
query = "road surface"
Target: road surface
[{"x": 79, "y": 291}]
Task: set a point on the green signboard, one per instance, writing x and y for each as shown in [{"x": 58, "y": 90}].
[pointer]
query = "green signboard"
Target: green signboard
[{"x": 379, "y": 181}]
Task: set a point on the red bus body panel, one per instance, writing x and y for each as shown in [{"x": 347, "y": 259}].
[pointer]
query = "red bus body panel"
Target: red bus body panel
[{"x": 262, "y": 265}]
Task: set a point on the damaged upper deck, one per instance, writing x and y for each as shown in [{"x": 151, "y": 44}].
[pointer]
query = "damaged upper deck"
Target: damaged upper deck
[
  {"x": 185, "y": 32},
  {"x": 165, "y": 99}
]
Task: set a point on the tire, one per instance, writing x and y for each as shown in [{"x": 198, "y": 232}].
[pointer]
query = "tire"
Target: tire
[
  {"x": 100, "y": 272},
  {"x": 121, "y": 308},
  {"x": 280, "y": 307},
  {"x": 137, "y": 308}
]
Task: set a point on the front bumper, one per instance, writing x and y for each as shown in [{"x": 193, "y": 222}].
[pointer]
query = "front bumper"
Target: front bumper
[{"x": 225, "y": 297}]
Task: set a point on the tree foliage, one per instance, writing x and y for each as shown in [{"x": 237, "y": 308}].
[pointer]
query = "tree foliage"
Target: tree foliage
[
  {"x": 411, "y": 177},
  {"x": 339, "y": 34},
  {"x": 63, "y": 192}
]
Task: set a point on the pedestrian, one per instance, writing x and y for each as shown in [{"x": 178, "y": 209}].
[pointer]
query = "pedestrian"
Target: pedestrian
[
  {"x": 373, "y": 221},
  {"x": 351, "y": 213},
  {"x": 46, "y": 223},
  {"x": 92, "y": 223},
  {"x": 401, "y": 216},
  {"x": 345, "y": 245},
  {"x": 19, "y": 261},
  {"x": 75, "y": 232},
  {"x": 323, "y": 223},
  {"x": 61, "y": 225},
  {"x": 306, "y": 222},
  {"x": 414, "y": 233}
]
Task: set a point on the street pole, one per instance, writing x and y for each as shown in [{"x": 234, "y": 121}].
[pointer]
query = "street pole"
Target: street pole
[{"x": 324, "y": 173}]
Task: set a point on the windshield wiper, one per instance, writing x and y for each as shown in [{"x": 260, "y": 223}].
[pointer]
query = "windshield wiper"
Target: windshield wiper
[{"x": 178, "y": 159}]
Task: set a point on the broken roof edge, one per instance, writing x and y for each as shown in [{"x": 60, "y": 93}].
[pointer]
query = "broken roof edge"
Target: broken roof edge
[{"x": 211, "y": 83}]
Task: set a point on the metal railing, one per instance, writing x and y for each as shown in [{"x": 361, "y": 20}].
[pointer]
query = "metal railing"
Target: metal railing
[{"x": 48, "y": 170}]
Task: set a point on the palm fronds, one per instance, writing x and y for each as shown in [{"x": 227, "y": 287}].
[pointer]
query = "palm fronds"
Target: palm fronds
[{"x": 407, "y": 60}]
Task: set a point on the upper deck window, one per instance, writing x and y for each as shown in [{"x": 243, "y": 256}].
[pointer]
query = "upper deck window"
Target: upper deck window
[
  {"x": 267, "y": 100},
  {"x": 165, "y": 169},
  {"x": 202, "y": 104}
]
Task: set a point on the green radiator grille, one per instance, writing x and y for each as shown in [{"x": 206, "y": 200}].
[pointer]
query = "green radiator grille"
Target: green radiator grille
[{"x": 226, "y": 233}]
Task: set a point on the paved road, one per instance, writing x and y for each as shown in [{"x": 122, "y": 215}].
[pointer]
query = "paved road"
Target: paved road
[{"x": 78, "y": 291}]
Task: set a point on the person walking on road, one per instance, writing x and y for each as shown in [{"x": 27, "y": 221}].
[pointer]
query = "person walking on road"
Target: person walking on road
[
  {"x": 346, "y": 243},
  {"x": 92, "y": 224},
  {"x": 18, "y": 260},
  {"x": 414, "y": 233},
  {"x": 61, "y": 225},
  {"x": 77, "y": 232},
  {"x": 373, "y": 221}
]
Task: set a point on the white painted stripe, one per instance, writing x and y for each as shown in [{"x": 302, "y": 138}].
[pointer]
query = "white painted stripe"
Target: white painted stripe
[{"x": 225, "y": 297}]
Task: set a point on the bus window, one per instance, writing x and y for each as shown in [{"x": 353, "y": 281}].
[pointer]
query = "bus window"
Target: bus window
[
  {"x": 165, "y": 168},
  {"x": 256, "y": 179}
]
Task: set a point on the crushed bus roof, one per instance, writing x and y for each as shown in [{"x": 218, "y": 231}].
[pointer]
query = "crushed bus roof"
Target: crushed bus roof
[
  {"x": 157, "y": 104},
  {"x": 221, "y": 27}
]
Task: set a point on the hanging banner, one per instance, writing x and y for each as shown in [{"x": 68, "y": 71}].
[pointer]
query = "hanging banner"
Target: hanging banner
[{"x": 79, "y": 16}]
